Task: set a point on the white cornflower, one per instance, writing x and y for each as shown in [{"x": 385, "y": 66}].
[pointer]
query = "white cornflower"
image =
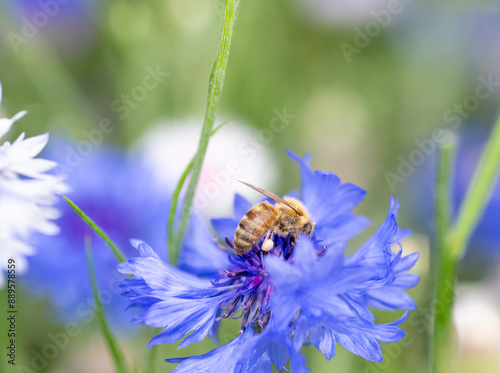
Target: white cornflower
[{"x": 27, "y": 194}]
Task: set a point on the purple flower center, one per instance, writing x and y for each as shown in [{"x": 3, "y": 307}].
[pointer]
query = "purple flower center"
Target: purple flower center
[{"x": 247, "y": 284}]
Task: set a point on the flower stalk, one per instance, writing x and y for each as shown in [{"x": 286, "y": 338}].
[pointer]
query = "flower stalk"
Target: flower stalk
[
  {"x": 444, "y": 269},
  {"x": 175, "y": 200},
  {"x": 452, "y": 239},
  {"x": 215, "y": 84},
  {"x": 113, "y": 346}
]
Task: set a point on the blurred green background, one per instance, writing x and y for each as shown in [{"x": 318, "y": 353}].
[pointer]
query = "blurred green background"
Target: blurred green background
[{"x": 364, "y": 80}]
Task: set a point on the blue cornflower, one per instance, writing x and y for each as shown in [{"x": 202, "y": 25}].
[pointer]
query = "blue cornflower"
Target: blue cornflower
[
  {"x": 301, "y": 291},
  {"x": 122, "y": 197}
]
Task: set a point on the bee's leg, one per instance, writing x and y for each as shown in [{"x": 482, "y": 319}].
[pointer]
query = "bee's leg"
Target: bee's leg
[{"x": 268, "y": 244}]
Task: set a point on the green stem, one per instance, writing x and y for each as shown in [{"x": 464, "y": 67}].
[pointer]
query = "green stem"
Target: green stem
[
  {"x": 214, "y": 92},
  {"x": 443, "y": 265},
  {"x": 113, "y": 346},
  {"x": 451, "y": 242},
  {"x": 173, "y": 254},
  {"x": 478, "y": 193},
  {"x": 443, "y": 347},
  {"x": 443, "y": 191}
]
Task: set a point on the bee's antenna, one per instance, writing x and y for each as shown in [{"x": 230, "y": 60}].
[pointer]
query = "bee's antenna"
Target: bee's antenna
[{"x": 271, "y": 195}]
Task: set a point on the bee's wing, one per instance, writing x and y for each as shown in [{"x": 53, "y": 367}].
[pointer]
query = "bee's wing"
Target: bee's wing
[{"x": 271, "y": 195}]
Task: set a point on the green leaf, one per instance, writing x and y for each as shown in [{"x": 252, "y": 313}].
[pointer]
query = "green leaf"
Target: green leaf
[
  {"x": 173, "y": 250},
  {"x": 118, "y": 254},
  {"x": 113, "y": 346}
]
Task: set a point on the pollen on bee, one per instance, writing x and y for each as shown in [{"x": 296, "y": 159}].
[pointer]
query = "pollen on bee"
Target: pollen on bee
[{"x": 267, "y": 245}]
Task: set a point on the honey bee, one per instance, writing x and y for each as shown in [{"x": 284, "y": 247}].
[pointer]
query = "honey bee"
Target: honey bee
[{"x": 287, "y": 216}]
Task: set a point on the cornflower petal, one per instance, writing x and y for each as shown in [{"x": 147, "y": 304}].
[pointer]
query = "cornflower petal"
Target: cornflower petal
[
  {"x": 220, "y": 359},
  {"x": 330, "y": 202},
  {"x": 200, "y": 254},
  {"x": 169, "y": 298},
  {"x": 27, "y": 194}
]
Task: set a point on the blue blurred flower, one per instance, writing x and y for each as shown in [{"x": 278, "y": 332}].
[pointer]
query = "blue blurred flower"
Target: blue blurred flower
[
  {"x": 121, "y": 196},
  {"x": 67, "y": 24},
  {"x": 297, "y": 293}
]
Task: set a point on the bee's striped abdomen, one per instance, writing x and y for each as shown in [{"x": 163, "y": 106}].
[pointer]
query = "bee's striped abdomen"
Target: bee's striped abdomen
[{"x": 253, "y": 226}]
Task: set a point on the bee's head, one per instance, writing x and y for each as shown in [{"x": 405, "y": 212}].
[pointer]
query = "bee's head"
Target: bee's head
[
  {"x": 308, "y": 227},
  {"x": 305, "y": 224}
]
